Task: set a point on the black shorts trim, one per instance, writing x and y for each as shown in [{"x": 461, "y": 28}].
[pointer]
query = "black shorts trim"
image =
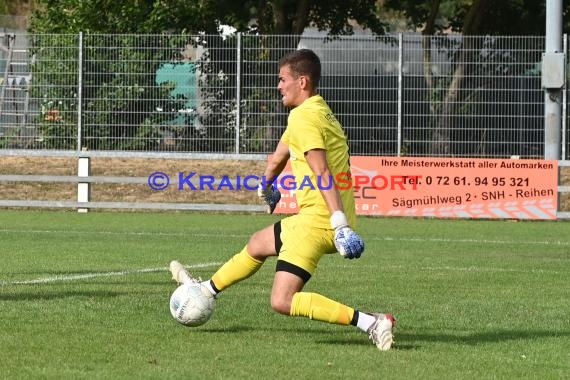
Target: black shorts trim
[
  {"x": 284, "y": 266},
  {"x": 277, "y": 233}
]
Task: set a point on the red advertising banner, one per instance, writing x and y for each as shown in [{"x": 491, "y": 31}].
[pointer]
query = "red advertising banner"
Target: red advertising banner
[{"x": 447, "y": 187}]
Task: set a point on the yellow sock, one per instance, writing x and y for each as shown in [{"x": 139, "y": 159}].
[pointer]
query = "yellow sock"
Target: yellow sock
[
  {"x": 320, "y": 308},
  {"x": 238, "y": 268}
]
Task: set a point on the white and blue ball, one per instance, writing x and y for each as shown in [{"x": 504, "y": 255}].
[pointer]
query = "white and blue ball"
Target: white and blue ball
[{"x": 192, "y": 304}]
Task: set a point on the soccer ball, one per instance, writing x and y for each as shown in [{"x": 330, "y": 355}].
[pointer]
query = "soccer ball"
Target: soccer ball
[{"x": 192, "y": 304}]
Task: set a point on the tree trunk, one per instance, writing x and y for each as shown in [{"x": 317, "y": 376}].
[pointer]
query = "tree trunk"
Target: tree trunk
[
  {"x": 291, "y": 25},
  {"x": 441, "y": 133}
]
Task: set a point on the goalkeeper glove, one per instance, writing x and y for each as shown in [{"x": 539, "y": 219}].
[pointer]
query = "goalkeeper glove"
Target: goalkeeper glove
[
  {"x": 347, "y": 242},
  {"x": 270, "y": 195}
]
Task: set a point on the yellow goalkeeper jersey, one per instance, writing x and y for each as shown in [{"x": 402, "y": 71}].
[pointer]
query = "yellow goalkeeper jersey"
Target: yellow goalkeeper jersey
[{"x": 312, "y": 125}]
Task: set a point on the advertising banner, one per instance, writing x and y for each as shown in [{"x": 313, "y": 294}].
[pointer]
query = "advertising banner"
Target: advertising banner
[{"x": 447, "y": 187}]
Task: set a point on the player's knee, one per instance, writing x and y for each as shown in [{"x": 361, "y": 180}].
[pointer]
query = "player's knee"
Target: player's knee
[
  {"x": 261, "y": 245},
  {"x": 255, "y": 243},
  {"x": 280, "y": 305}
]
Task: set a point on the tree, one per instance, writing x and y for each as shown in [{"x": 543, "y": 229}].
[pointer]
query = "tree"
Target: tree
[
  {"x": 470, "y": 18},
  {"x": 107, "y": 107},
  {"x": 278, "y": 25},
  {"x": 17, "y": 7},
  {"x": 507, "y": 17},
  {"x": 121, "y": 17},
  {"x": 114, "y": 85}
]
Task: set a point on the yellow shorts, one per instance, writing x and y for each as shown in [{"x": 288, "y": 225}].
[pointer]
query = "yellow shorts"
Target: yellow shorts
[{"x": 302, "y": 244}]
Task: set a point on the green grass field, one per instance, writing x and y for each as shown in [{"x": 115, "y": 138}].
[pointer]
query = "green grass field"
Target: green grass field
[{"x": 85, "y": 296}]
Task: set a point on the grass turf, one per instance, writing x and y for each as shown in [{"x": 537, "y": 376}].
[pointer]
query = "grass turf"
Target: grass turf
[{"x": 86, "y": 296}]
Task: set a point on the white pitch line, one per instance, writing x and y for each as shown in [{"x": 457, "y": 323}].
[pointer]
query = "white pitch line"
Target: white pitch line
[
  {"x": 83, "y": 276},
  {"x": 381, "y": 238},
  {"x": 121, "y": 233},
  {"x": 472, "y": 269},
  {"x": 472, "y": 241}
]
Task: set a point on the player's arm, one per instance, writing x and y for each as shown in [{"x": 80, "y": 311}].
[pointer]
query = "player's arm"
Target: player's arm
[
  {"x": 317, "y": 160},
  {"x": 277, "y": 162},
  {"x": 266, "y": 190},
  {"x": 347, "y": 242}
]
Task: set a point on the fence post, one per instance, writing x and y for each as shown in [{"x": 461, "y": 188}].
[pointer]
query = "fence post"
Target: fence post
[
  {"x": 83, "y": 188},
  {"x": 400, "y": 94},
  {"x": 564, "y": 99},
  {"x": 80, "y": 93},
  {"x": 552, "y": 79},
  {"x": 238, "y": 92}
]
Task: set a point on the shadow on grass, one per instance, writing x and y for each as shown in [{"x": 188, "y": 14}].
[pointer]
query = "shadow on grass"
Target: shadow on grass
[
  {"x": 26, "y": 297},
  {"x": 481, "y": 337},
  {"x": 405, "y": 341},
  {"x": 231, "y": 329},
  {"x": 409, "y": 341}
]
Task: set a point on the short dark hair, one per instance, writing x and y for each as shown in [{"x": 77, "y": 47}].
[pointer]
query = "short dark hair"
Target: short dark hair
[{"x": 303, "y": 62}]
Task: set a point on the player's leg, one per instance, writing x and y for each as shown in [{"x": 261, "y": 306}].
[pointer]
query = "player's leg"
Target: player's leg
[
  {"x": 301, "y": 247},
  {"x": 287, "y": 298},
  {"x": 241, "y": 266},
  {"x": 247, "y": 262}
]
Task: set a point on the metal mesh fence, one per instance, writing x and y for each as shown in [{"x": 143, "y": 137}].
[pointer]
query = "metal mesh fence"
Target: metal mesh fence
[
  {"x": 360, "y": 82},
  {"x": 480, "y": 97},
  {"x": 402, "y": 94}
]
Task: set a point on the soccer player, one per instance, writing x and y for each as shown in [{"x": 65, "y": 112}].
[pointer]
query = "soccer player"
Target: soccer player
[{"x": 316, "y": 145}]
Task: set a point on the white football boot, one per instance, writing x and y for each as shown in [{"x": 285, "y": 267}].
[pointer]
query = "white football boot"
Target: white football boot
[
  {"x": 381, "y": 331},
  {"x": 180, "y": 274}
]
